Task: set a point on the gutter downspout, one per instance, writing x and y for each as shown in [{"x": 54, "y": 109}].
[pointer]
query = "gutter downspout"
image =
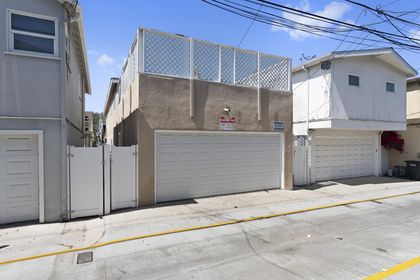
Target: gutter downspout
[{"x": 308, "y": 179}]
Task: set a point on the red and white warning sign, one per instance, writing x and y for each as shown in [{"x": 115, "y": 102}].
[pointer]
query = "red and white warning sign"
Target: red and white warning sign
[{"x": 227, "y": 123}]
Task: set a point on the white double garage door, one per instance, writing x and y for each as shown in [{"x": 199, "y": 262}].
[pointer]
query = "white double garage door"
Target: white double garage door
[
  {"x": 198, "y": 164},
  {"x": 19, "y": 177},
  {"x": 343, "y": 154}
]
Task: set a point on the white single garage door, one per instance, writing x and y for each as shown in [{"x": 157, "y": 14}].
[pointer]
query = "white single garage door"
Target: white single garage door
[
  {"x": 347, "y": 156},
  {"x": 19, "y": 190},
  {"x": 199, "y": 164}
]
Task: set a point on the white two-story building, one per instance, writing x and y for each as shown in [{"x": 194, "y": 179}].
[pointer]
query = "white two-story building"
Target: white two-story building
[{"x": 342, "y": 102}]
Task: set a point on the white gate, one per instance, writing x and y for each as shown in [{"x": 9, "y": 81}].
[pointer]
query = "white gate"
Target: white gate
[
  {"x": 300, "y": 161},
  {"x": 86, "y": 181},
  {"x": 123, "y": 177},
  {"x": 98, "y": 185}
]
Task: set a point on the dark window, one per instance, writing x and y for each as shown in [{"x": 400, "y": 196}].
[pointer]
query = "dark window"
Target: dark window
[
  {"x": 33, "y": 25},
  {"x": 32, "y": 34},
  {"x": 390, "y": 87},
  {"x": 354, "y": 80},
  {"x": 33, "y": 44}
]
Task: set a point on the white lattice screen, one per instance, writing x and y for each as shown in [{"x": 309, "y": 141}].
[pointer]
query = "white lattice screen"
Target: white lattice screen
[{"x": 178, "y": 56}]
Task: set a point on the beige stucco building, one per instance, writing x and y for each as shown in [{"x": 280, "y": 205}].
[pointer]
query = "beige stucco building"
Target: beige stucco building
[
  {"x": 208, "y": 119},
  {"x": 412, "y": 135}
]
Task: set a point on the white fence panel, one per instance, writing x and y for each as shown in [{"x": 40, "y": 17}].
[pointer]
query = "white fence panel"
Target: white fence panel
[
  {"x": 123, "y": 177},
  {"x": 86, "y": 181}
]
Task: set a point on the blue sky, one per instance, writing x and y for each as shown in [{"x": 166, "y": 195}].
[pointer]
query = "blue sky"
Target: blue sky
[{"x": 110, "y": 27}]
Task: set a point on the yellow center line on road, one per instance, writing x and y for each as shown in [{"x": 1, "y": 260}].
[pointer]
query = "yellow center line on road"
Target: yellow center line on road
[
  {"x": 394, "y": 270},
  {"x": 220, "y": 224}
]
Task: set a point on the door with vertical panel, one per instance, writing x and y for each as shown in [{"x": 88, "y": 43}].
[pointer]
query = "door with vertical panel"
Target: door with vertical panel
[
  {"x": 86, "y": 181},
  {"x": 123, "y": 177}
]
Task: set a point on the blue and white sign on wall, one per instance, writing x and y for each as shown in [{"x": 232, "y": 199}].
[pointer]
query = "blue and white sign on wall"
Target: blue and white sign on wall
[{"x": 278, "y": 126}]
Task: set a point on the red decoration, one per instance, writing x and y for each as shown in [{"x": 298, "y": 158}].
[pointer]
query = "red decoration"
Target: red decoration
[{"x": 391, "y": 140}]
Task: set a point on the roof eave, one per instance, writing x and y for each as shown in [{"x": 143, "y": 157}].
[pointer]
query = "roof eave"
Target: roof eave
[
  {"x": 312, "y": 62},
  {"x": 82, "y": 39},
  {"x": 413, "y": 80},
  {"x": 110, "y": 96},
  {"x": 340, "y": 54}
]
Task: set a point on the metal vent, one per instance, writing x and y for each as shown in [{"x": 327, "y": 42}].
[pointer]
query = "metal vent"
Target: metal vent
[{"x": 326, "y": 65}]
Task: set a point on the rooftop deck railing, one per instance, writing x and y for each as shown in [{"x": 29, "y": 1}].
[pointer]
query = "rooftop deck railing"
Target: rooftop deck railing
[{"x": 174, "y": 55}]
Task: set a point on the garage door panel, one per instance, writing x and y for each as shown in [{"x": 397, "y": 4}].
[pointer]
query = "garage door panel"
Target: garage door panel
[
  {"x": 19, "y": 211},
  {"x": 336, "y": 157},
  {"x": 221, "y": 163},
  {"x": 19, "y": 167},
  {"x": 18, "y": 145},
  {"x": 18, "y": 189}
]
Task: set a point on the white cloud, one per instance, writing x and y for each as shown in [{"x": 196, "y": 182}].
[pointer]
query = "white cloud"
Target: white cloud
[
  {"x": 415, "y": 33},
  {"x": 93, "y": 52},
  {"x": 334, "y": 10},
  {"x": 105, "y": 60}
]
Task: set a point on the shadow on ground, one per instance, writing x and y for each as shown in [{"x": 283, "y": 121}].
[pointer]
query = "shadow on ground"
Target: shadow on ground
[{"x": 354, "y": 182}]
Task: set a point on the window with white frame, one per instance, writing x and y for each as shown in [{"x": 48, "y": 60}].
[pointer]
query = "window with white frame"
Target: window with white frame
[
  {"x": 32, "y": 33},
  {"x": 354, "y": 80},
  {"x": 390, "y": 87}
]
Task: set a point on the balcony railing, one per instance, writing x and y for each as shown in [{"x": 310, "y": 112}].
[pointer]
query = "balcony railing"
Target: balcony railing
[{"x": 173, "y": 55}]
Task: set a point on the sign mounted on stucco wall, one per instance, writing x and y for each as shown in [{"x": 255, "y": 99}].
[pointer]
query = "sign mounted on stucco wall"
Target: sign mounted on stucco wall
[
  {"x": 227, "y": 123},
  {"x": 278, "y": 126}
]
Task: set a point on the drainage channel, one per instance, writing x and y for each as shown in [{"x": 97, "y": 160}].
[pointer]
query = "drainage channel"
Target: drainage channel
[{"x": 85, "y": 257}]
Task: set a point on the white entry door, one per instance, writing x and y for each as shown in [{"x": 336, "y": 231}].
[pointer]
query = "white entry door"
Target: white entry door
[
  {"x": 343, "y": 156},
  {"x": 19, "y": 178},
  {"x": 86, "y": 180},
  {"x": 193, "y": 164}
]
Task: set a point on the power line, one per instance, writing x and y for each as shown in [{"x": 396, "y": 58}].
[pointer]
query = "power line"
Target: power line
[
  {"x": 342, "y": 23},
  {"x": 274, "y": 22},
  {"x": 332, "y": 53},
  {"x": 272, "y": 19},
  {"x": 399, "y": 31},
  {"x": 249, "y": 28},
  {"x": 379, "y": 12},
  {"x": 382, "y": 12}
]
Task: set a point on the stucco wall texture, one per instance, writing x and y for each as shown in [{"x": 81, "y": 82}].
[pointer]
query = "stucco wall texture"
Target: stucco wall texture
[
  {"x": 164, "y": 104},
  {"x": 412, "y": 135}
]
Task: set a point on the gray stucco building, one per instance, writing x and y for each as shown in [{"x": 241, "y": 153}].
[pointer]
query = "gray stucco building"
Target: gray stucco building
[
  {"x": 44, "y": 78},
  {"x": 208, "y": 119}
]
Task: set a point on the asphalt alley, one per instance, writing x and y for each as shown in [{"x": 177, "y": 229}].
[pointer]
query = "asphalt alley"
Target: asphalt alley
[{"x": 346, "y": 242}]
